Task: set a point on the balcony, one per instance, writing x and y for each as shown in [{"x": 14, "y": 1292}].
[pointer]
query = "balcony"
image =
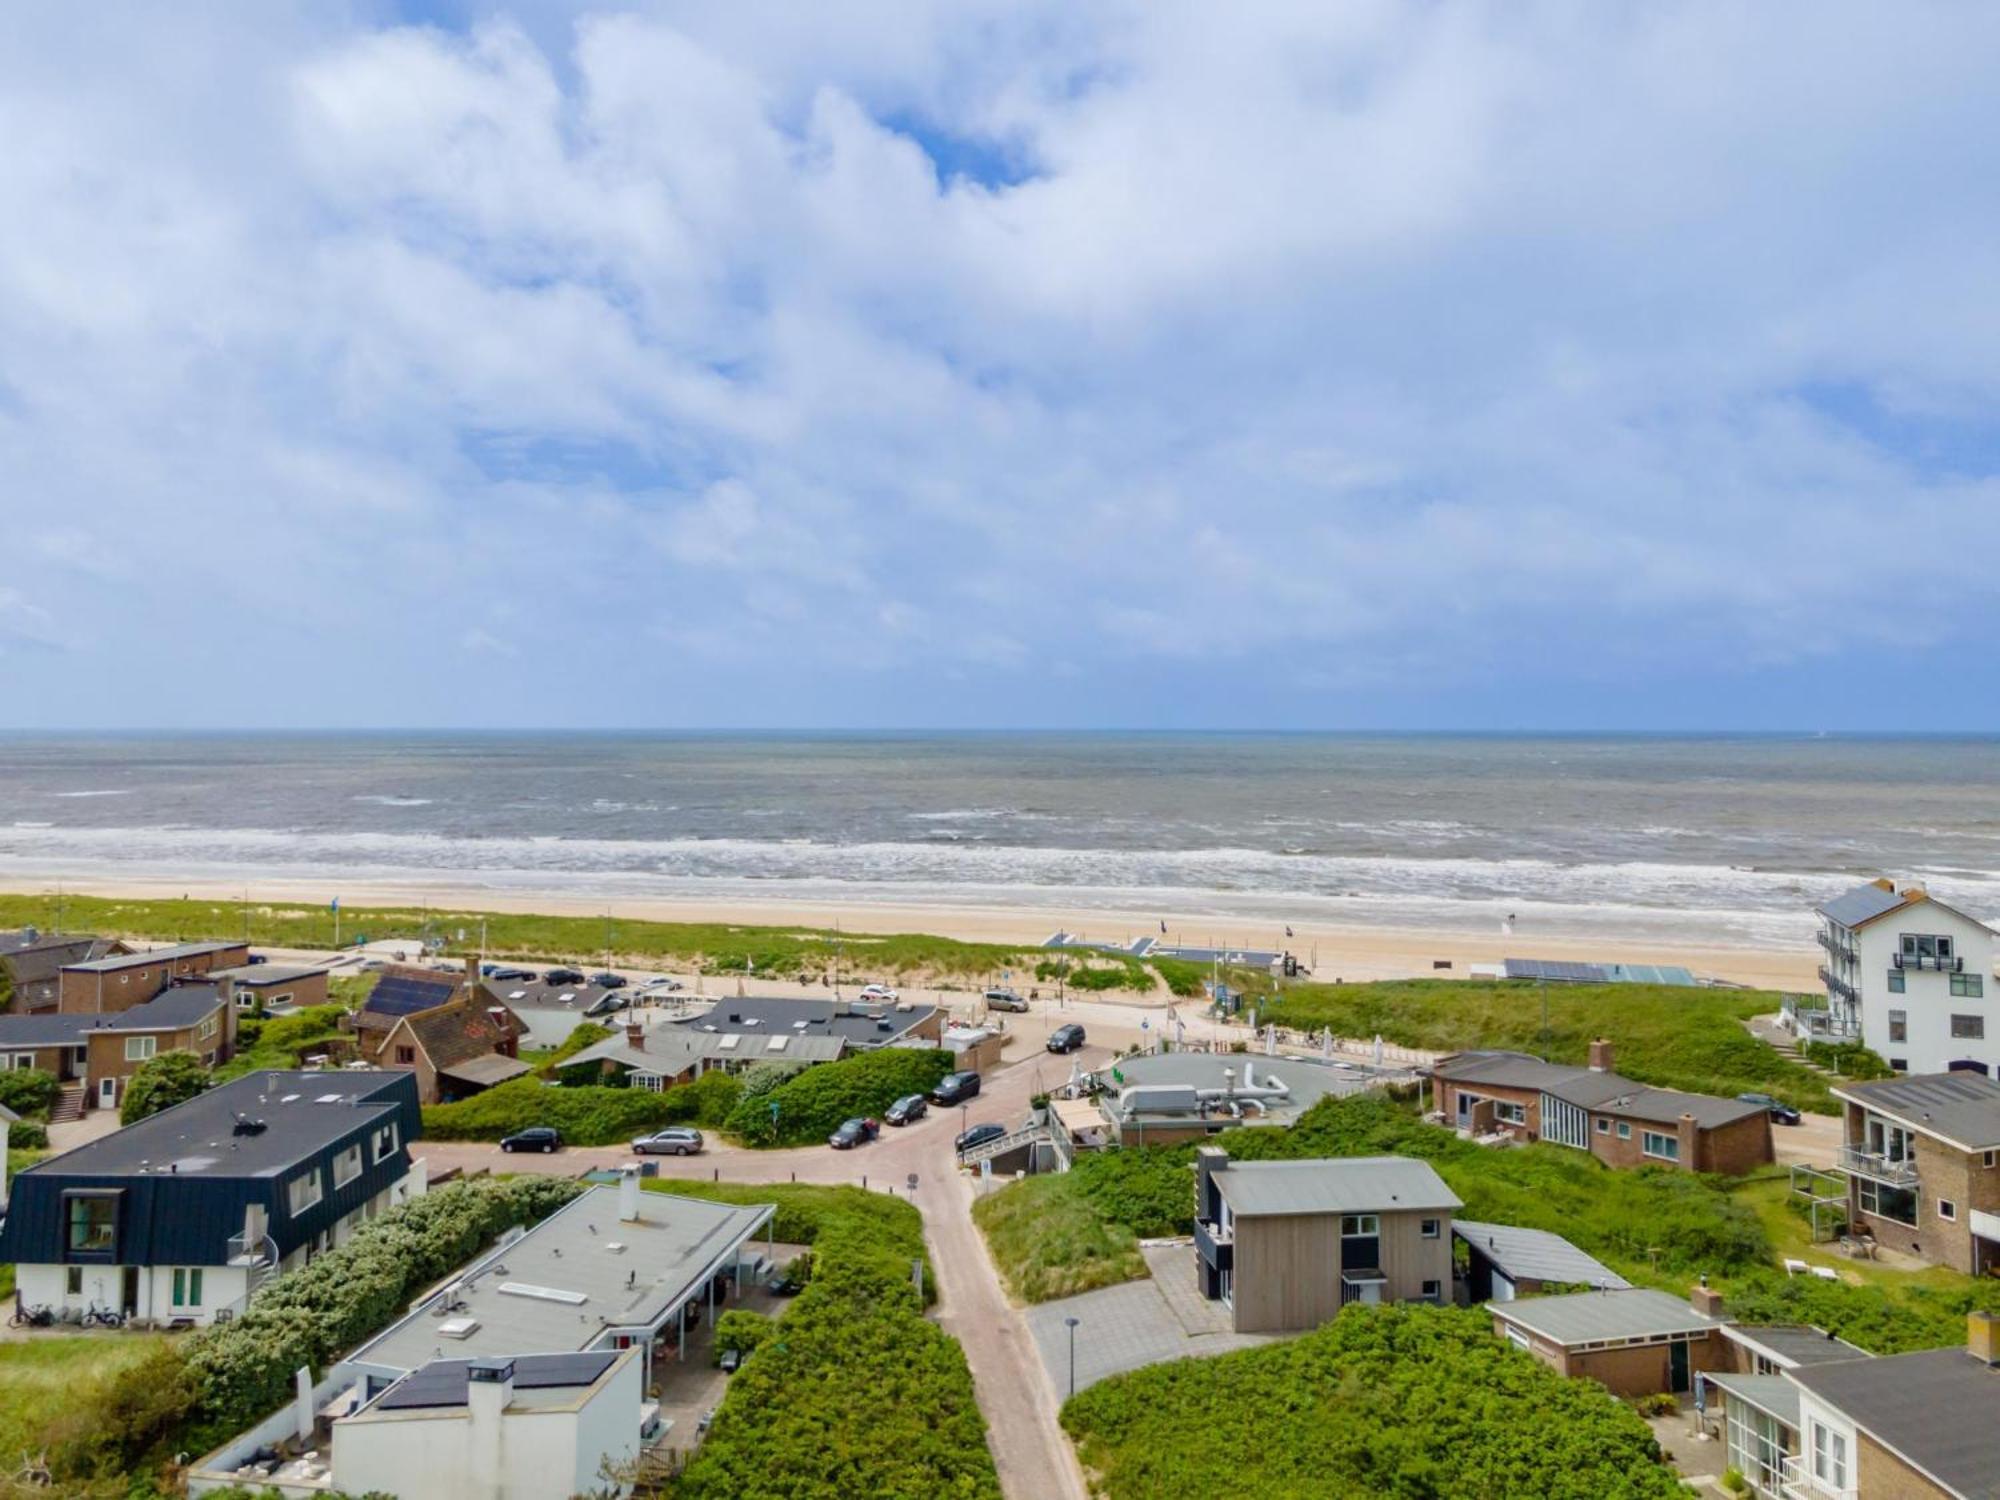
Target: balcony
[
  {"x": 1838, "y": 987},
  {"x": 1901, "y": 1172},
  {"x": 1799, "y": 1483},
  {"x": 1215, "y": 1246},
  {"x": 1844, "y": 952},
  {"x": 1929, "y": 961}
]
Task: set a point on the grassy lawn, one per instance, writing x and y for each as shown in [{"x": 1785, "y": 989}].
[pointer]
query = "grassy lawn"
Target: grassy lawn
[
  {"x": 45, "y": 1375},
  {"x": 1050, "y": 1240},
  {"x": 1668, "y": 1035}
]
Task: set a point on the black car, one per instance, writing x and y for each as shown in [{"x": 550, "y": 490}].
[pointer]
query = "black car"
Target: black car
[
  {"x": 1005, "y": 1000},
  {"x": 955, "y": 1088},
  {"x": 562, "y": 976},
  {"x": 508, "y": 972},
  {"x": 608, "y": 980},
  {"x": 534, "y": 1138},
  {"x": 853, "y": 1132},
  {"x": 1066, "y": 1038},
  {"x": 904, "y": 1110},
  {"x": 731, "y": 1361},
  {"x": 979, "y": 1135},
  {"x": 1780, "y": 1112}
]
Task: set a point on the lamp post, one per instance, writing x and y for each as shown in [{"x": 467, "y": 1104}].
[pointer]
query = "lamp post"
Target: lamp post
[{"x": 1070, "y": 1323}]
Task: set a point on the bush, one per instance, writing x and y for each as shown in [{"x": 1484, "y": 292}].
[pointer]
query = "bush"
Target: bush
[
  {"x": 1398, "y": 1402},
  {"x": 589, "y": 1116},
  {"x": 741, "y": 1330},
  {"x": 707, "y": 1101},
  {"x": 284, "y": 1042},
  {"x": 1849, "y": 1059},
  {"x": 160, "y": 1083},
  {"x": 1659, "y": 1404},
  {"x": 29, "y": 1091},
  {"x": 811, "y": 1104},
  {"x": 27, "y": 1135},
  {"x": 583, "y": 1034}
]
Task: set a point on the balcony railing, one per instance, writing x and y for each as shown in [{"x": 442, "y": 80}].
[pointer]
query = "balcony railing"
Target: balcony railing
[
  {"x": 1845, "y": 952},
  {"x": 1900, "y": 1171},
  {"x": 1835, "y": 985},
  {"x": 1799, "y": 1483},
  {"x": 1216, "y": 1247},
  {"x": 1928, "y": 961}
]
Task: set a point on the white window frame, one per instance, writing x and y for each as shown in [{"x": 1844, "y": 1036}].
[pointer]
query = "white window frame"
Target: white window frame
[
  {"x": 309, "y": 1178},
  {"x": 342, "y": 1173},
  {"x": 1655, "y": 1143},
  {"x": 1947, "y": 1210},
  {"x": 148, "y": 1048},
  {"x": 187, "y": 1287},
  {"x": 1509, "y": 1112},
  {"x": 385, "y": 1142},
  {"x": 1829, "y": 1455},
  {"x": 206, "y": 1029},
  {"x": 1365, "y": 1226},
  {"x": 1430, "y": 1229},
  {"x": 1624, "y": 1130}
]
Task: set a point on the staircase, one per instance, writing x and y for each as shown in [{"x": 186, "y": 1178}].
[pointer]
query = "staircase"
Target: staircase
[
  {"x": 68, "y": 1105},
  {"x": 1025, "y": 1136}
]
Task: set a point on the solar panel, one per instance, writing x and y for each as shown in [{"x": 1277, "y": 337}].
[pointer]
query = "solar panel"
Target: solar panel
[
  {"x": 1555, "y": 971},
  {"x": 402, "y": 995},
  {"x": 442, "y": 1382}
]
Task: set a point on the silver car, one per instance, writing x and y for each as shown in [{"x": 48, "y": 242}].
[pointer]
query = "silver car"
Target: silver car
[{"x": 675, "y": 1140}]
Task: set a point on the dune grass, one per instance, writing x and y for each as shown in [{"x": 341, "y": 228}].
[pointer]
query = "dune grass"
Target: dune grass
[
  {"x": 1050, "y": 1239},
  {"x": 44, "y": 1376}
]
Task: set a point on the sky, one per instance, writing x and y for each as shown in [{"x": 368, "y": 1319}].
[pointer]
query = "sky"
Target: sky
[{"x": 1506, "y": 366}]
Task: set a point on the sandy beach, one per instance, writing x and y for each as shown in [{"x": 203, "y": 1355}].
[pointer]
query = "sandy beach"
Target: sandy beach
[{"x": 1336, "y": 951}]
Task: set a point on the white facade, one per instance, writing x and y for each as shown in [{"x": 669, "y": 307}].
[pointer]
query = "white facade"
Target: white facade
[
  {"x": 1918, "y": 981},
  {"x": 1825, "y": 1467},
  {"x": 503, "y": 1444}
]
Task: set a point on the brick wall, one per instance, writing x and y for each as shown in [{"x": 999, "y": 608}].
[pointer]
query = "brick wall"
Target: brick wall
[
  {"x": 1880, "y": 1475},
  {"x": 1445, "y": 1098}
]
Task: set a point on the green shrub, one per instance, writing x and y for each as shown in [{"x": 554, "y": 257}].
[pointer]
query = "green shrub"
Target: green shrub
[
  {"x": 583, "y": 1034},
  {"x": 29, "y": 1091},
  {"x": 160, "y": 1083},
  {"x": 1881, "y": 1319},
  {"x": 741, "y": 1330},
  {"x": 706, "y": 1101},
  {"x": 1406, "y": 1403},
  {"x": 27, "y": 1135},
  {"x": 1849, "y": 1059},
  {"x": 810, "y": 1105},
  {"x": 284, "y": 1042},
  {"x": 1734, "y": 1482},
  {"x": 1659, "y": 1404},
  {"x": 590, "y": 1116}
]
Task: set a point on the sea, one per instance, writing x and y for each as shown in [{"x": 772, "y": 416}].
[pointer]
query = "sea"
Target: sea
[{"x": 1717, "y": 840}]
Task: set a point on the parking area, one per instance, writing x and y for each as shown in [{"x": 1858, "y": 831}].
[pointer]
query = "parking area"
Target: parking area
[
  {"x": 689, "y": 1389},
  {"x": 1140, "y": 1323}
]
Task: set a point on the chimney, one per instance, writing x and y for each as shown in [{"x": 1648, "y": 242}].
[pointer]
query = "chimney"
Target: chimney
[
  {"x": 1886, "y": 884},
  {"x": 635, "y": 1036},
  {"x": 1982, "y": 1337},
  {"x": 628, "y": 1195},
  {"x": 1600, "y": 1055},
  {"x": 1706, "y": 1300},
  {"x": 1208, "y": 1160},
  {"x": 1690, "y": 1137},
  {"x": 489, "y": 1388},
  {"x": 472, "y": 971}
]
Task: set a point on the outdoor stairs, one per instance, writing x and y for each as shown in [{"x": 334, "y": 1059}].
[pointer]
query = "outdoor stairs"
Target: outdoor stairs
[
  {"x": 1026, "y": 1135},
  {"x": 68, "y": 1105}
]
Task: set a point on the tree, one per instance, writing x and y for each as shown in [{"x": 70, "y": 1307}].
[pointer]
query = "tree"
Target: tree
[{"x": 161, "y": 1082}]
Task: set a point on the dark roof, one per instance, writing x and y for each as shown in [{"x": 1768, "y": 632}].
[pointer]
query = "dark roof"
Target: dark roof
[
  {"x": 258, "y": 975},
  {"x": 1587, "y": 1088},
  {"x": 1964, "y": 1108},
  {"x": 302, "y": 1111},
  {"x": 1795, "y": 1343},
  {"x": 443, "y": 1382},
  {"x": 38, "y": 959},
  {"x": 536, "y": 994},
  {"x": 1933, "y": 1409},
  {"x": 157, "y": 955},
  {"x": 1666, "y": 1106},
  {"x": 1862, "y": 904},
  {"x": 170, "y": 1010},
  {"x": 1535, "y": 1255},
  {"x": 403, "y": 991},
  {"x": 457, "y": 1033},
  {"x": 862, "y": 1024}
]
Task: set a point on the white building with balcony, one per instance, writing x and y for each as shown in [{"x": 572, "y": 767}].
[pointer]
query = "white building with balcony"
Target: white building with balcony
[{"x": 1910, "y": 978}]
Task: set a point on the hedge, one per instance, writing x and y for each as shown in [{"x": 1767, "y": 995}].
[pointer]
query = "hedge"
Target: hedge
[
  {"x": 160, "y": 1083},
  {"x": 593, "y": 1116},
  {"x": 854, "y": 1392},
  {"x": 812, "y": 1104},
  {"x": 29, "y": 1091},
  {"x": 1400, "y": 1402}
]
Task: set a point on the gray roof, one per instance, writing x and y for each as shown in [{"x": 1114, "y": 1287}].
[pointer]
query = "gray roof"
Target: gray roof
[
  {"x": 157, "y": 955},
  {"x": 592, "y": 1272},
  {"x": 1589, "y": 1088},
  {"x": 485, "y": 1070},
  {"x": 1771, "y": 1393},
  {"x": 1793, "y": 1344},
  {"x": 1862, "y": 904},
  {"x": 1334, "y": 1185},
  {"x": 263, "y": 974},
  {"x": 537, "y": 994},
  {"x": 1666, "y": 1106},
  {"x": 1964, "y": 1108},
  {"x": 860, "y": 1023},
  {"x": 1933, "y": 1409},
  {"x": 170, "y": 1010},
  {"x": 443, "y": 1382},
  {"x": 1535, "y": 1254},
  {"x": 1584, "y": 1317},
  {"x": 1305, "y": 1082},
  {"x": 668, "y": 1049}
]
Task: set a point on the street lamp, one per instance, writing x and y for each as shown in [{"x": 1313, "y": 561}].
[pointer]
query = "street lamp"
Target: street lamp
[{"x": 1071, "y": 1323}]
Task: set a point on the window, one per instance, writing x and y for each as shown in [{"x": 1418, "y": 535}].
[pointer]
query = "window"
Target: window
[
  {"x": 1969, "y": 1028},
  {"x": 1924, "y": 948},
  {"x": 347, "y": 1166},
  {"x": 1968, "y": 986},
  {"x": 1895, "y": 981},
  {"x": 1898, "y": 1205},
  {"x": 1899, "y": 1065},
  {"x": 1757, "y": 1446},
  {"x": 1665, "y": 1147},
  {"x": 139, "y": 1048},
  {"x": 406, "y": 1056},
  {"x": 1434, "y": 1289},
  {"x": 385, "y": 1143},
  {"x": 93, "y": 1223},
  {"x": 1987, "y": 1158},
  {"x": 1947, "y": 1210},
  {"x": 187, "y": 1286},
  {"x": 1513, "y": 1114},
  {"x": 73, "y": 1281},
  {"x": 1517, "y": 1338},
  {"x": 1899, "y": 1026},
  {"x": 1430, "y": 1229},
  {"x": 1829, "y": 1456},
  {"x": 206, "y": 1030},
  {"x": 1624, "y": 1130},
  {"x": 275, "y": 1000},
  {"x": 1354, "y": 1225},
  {"x": 303, "y": 1191},
  {"x": 1603, "y": 1125}
]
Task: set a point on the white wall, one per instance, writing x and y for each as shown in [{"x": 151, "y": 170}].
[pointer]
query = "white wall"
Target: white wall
[
  {"x": 222, "y": 1286},
  {"x": 1927, "y": 999}
]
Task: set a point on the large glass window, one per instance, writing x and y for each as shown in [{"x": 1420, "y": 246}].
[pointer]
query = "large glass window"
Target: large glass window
[
  {"x": 93, "y": 1223},
  {"x": 1756, "y": 1446},
  {"x": 347, "y": 1166},
  {"x": 1885, "y": 1202},
  {"x": 1665, "y": 1147},
  {"x": 1968, "y": 1028},
  {"x": 1829, "y": 1456},
  {"x": 303, "y": 1191},
  {"x": 139, "y": 1048},
  {"x": 1968, "y": 986},
  {"x": 1513, "y": 1114}
]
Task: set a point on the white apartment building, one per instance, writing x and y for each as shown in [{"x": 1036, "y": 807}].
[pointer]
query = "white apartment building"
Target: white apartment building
[{"x": 1910, "y": 978}]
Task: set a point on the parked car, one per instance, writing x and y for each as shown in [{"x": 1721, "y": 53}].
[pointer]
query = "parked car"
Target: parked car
[
  {"x": 1005, "y": 1000},
  {"x": 606, "y": 980},
  {"x": 853, "y": 1132},
  {"x": 675, "y": 1140},
  {"x": 731, "y": 1361},
  {"x": 604, "y": 1005},
  {"x": 662, "y": 984},
  {"x": 1066, "y": 1038},
  {"x": 561, "y": 975},
  {"x": 508, "y": 972},
  {"x": 877, "y": 992},
  {"x": 1780, "y": 1112},
  {"x": 955, "y": 1088},
  {"x": 906, "y": 1109},
  {"x": 534, "y": 1138},
  {"x": 979, "y": 1135},
  {"x": 784, "y": 1284}
]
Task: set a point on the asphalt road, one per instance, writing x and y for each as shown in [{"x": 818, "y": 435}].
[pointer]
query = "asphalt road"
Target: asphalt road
[{"x": 1031, "y": 1452}]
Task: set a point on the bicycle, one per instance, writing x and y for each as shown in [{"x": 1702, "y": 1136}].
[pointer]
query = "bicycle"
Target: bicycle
[
  {"x": 106, "y": 1317},
  {"x": 25, "y": 1316}
]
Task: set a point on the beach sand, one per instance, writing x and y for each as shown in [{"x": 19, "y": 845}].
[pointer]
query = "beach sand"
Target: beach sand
[{"x": 1335, "y": 951}]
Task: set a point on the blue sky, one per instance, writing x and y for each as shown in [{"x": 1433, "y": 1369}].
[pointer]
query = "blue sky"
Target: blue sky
[{"x": 1425, "y": 366}]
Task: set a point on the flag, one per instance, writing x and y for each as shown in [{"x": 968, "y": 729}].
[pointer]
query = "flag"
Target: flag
[
  {"x": 334, "y": 904},
  {"x": 1163, "y": 927},
  {"x": 1288, "y": 930},
  {"x": 1116, "y": 1076}
]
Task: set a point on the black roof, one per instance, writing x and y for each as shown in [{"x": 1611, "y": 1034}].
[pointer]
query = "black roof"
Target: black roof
[
  {"x": 1933, "y": 1409},
  {"x": 855, "y": 1021},
  {"x": 170, "y": 1010},
  {"x": 1961, "y": 1107},
  {"x": 404, "y": 992},
  {"x": 443, "y": 1382}
]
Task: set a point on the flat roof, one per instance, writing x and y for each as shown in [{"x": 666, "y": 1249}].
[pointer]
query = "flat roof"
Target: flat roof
[
  {"x": 570, "y": 1278},
  {"x": 156, "y": 955},
  {"x": 1585, "y": 1317},
  {"x": 1333, "y": 1185},
  {"x": 1768, "y": 1393},
  {"x": 1535, "y": 1254},
  {"x": 443, "y": 1382},
  {"x": 538, "y": 994},
  {"x": 1933, "y": 1409},
  {"x": 859, "y": 1022},
  {"x": 668, "y": 1049},
  {"x": 486, "y": 1070},
  {"x": 260, "y": 974},
  {"x": 302, "y": 1113},
  {"x": 1305, "y": 1082},
  {"x": 1963, "y": 1108}
]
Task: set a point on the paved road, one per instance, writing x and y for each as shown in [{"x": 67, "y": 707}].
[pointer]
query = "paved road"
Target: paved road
[{"x": 1032, "y": 1454}]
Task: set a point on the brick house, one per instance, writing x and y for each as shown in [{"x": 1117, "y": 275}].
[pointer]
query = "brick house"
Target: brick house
[
  {"x": 255, "y": 989},
  {"x": 400, "y": 990},
  {"x": 1922, "y": 1158},
  {"x": 1634, "y": 1341},
  {"x": 455, "y": 1050},
  {"x": 102, "y": 1052},
  {"x": 32, "y": 964},
  {"x": 1621, "y": 1123},
  {"x": 120, "y": 981}
]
